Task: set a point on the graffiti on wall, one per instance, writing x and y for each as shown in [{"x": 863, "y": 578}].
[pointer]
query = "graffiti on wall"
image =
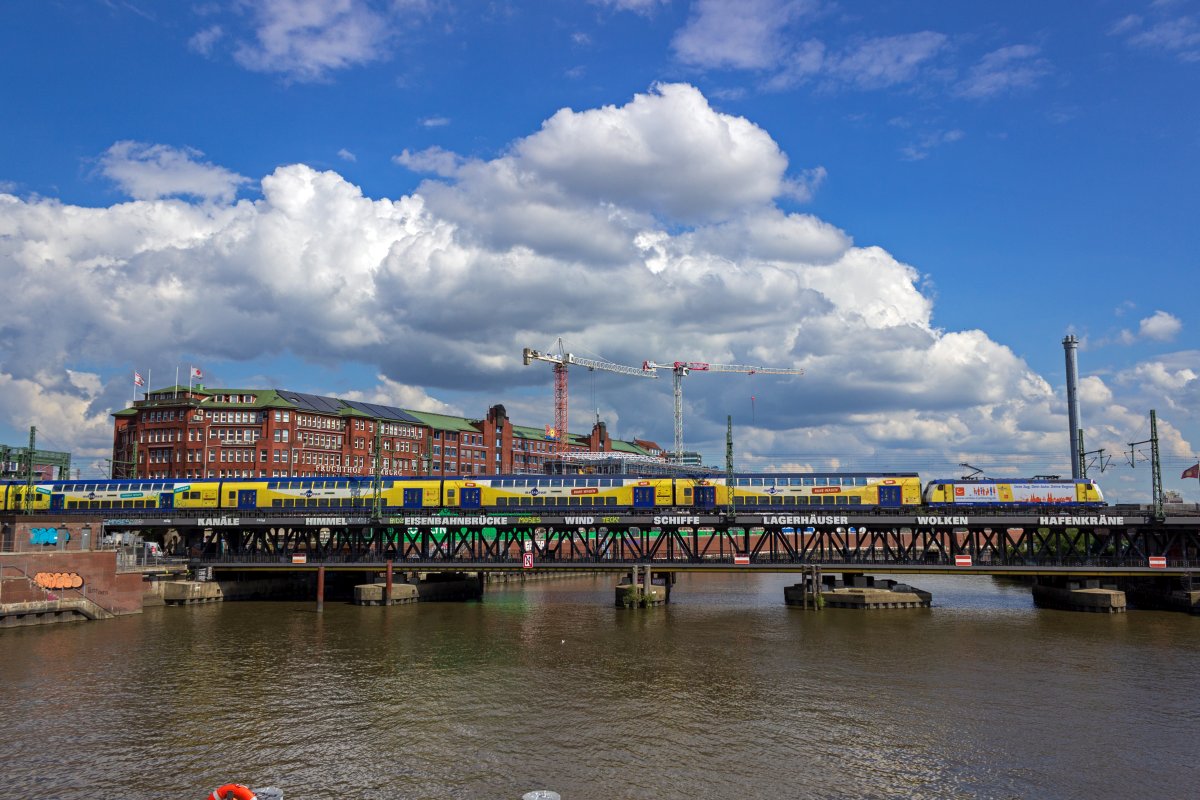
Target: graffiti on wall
[
  {"x": 58, "y": 580},
  {"x": 47, "y": 535}
]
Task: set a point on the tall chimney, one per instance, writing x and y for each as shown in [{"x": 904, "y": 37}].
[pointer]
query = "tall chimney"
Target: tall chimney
[{"x": 1071, "y": 347}]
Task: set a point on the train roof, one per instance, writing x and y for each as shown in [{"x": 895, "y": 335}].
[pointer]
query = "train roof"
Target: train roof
[{"x": 1039, "y": 479}]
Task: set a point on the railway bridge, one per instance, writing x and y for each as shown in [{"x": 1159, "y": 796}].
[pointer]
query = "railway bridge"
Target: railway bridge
[{"x": 1108, "y": 541}]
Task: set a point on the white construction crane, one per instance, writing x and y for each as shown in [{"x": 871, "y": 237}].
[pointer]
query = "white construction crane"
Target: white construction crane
[
  {"x": 682, "y": 368},
  {"x": 561, "y": 360}
]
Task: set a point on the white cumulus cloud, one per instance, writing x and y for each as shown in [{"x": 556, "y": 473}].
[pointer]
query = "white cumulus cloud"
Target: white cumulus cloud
[
  {"x": 650, "y": 230},
  {"x": 150, "y": 171},
  {"x": 1160, "y": 326}
]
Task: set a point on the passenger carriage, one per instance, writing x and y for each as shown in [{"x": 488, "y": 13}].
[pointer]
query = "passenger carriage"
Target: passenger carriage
[
  {"x": 558, "y": 492},
  {"x": 349, "y": 494},
  {"x": 798, "y": 492}
]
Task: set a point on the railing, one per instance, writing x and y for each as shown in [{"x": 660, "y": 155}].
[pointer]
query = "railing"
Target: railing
[{"x": 980, "y": 562}]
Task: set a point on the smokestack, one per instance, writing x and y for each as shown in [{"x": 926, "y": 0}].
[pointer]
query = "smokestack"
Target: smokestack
[{"x": 1071, "y": 347}]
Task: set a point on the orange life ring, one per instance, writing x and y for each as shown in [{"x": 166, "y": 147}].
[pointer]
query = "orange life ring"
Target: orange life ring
[{"x": 232, "y": 791}]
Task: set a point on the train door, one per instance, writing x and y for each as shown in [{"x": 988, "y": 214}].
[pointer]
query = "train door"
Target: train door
[
  {"x": 56, "y": 502},
  {"x": 706, "y": 496},
  {"x": 643, "y": 497},
  {"x": 890, "y": 496},
  {"x": 166, "y": 499},
  {"x": 469, "y": 498},
  {"x": 247, "y": 499},
  {"x": 413, "y": 498}
]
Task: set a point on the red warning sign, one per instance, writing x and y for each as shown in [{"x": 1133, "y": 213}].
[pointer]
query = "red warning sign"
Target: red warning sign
[
  {"x": 527, "y": 560},
  {"x": 741, "y": 559},
  {"x": 962, "y": 561},
  {"x": 1158, "y": 562}
]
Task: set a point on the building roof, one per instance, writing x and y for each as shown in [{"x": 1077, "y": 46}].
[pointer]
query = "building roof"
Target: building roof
[{"x": 443, "y": 422}]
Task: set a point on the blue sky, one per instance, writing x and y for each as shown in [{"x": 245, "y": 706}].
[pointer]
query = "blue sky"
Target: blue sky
[{"x": 912, "y": 202}]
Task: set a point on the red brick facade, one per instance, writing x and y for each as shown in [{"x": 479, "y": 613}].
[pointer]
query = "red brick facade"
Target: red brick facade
[{"x": 238, "y": 433}]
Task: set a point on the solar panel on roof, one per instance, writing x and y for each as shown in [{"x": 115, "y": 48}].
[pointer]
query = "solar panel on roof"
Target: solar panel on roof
[
  {"x": 383, "y": 412},
  {"x": 313, "y": 402}
]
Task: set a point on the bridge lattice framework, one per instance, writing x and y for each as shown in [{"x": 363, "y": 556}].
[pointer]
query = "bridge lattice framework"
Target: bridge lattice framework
[{"x": 1100, "y": 540}]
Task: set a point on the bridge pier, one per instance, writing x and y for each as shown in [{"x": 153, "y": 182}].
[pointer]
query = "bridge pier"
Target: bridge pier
[
  {"x": 853, "y": 590},
  {"x": 1078, "y": 595},
  {"x": 1167, "y": 594},
  {"x": 321, "y": 588},
  {"x": 638, "y": 590},
  {"x": 807, "y": 593}
]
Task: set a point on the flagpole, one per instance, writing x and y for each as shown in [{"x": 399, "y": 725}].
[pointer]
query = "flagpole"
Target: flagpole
[
  {"x": 177, "y": 382},
  {"x": 146, "y": 388},
  {"x": 191, "y": 372}
]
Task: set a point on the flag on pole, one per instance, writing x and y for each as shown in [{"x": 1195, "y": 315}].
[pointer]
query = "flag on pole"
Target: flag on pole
[
  {"x": 1192, "y": 471},
  {"x": 138, "y": 380},
  {"x": 196, "y": 374}
]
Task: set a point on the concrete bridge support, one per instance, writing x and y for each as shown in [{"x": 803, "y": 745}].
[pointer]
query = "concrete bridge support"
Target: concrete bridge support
[
  {"x": 1166, "y": 594},
  {"x": 854, "y": 591},
  {"x": 1078, "y": 595},
  {"x": 639, "y": 590}
]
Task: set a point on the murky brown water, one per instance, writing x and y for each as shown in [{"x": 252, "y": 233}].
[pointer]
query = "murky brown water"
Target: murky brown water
[{"x": 726, "y": 694}]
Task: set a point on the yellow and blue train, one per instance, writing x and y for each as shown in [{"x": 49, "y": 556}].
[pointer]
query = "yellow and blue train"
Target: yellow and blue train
[{"x": 849, "y": 491}]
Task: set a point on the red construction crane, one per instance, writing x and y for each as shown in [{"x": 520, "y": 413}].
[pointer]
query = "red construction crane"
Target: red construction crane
[
  {"x": 682, "y": 368},
  {"x": 561, "y": 360}
]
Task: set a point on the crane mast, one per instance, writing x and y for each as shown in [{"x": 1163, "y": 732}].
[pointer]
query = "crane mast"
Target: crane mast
[
  {"x": 561, "y": 360},
  {"x": 679, "y": 369}
]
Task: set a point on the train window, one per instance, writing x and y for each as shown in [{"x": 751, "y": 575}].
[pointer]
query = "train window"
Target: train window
[
  {"x": 276, "y": 503},
  {"x": 687, "y": 491},
  {"x": 843, "y": 500},
  {"x": 856, "y": 501},
  {"x": 289, "y": 502},
  {"x": 232, "y": 494},
  {"x": 450, "y": 495},
  {"x": 526, "y": 501},
  {"x": 502, "y": 501},
  {"x": 106, "y": 503},
  {"x": 72, "y": 504},
  {"x": 610, "y": 501},
  {"x": 776, "y": 501},
  {"x": 860, "y": 481}
]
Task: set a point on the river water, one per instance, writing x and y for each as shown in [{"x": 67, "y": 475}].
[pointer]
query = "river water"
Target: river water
[{"x": 727, "y": 693}]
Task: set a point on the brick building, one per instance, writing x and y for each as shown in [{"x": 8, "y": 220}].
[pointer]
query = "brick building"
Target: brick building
[{"x": 182, "y": 432}]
